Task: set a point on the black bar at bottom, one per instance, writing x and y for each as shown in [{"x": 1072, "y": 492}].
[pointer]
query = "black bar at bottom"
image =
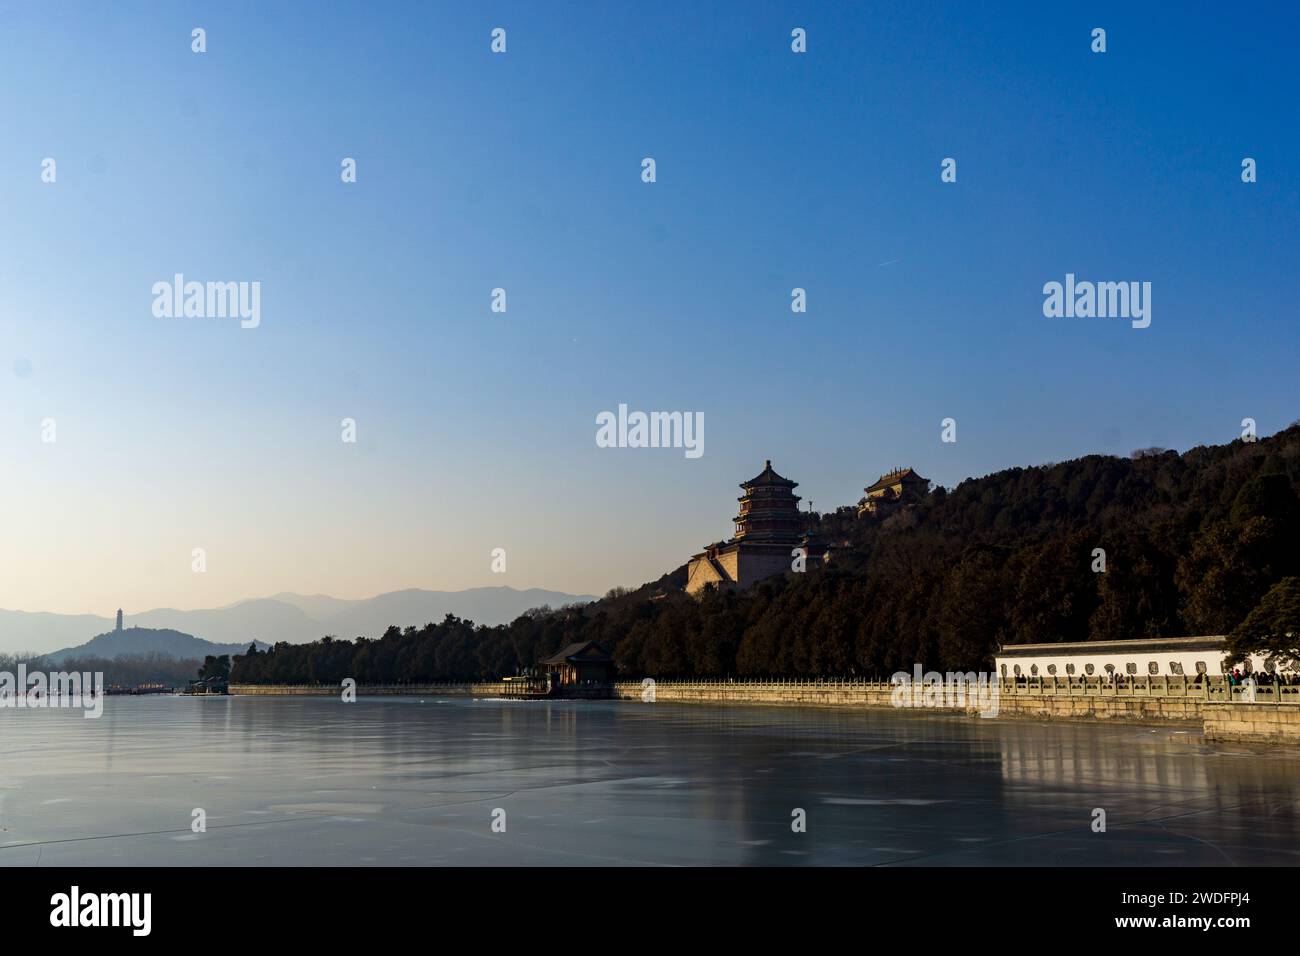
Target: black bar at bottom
[{"x": 222, "y": 906}]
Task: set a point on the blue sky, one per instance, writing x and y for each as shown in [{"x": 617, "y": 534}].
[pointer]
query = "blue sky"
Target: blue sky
[{"x": 774, "y": 170}]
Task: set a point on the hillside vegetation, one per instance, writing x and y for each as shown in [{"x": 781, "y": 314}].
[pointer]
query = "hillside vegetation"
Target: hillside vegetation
[{"x": 1192, "y": 544}]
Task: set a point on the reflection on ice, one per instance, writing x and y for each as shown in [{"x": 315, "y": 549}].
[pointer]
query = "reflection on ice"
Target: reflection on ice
[{"x": 303, "y": 781}]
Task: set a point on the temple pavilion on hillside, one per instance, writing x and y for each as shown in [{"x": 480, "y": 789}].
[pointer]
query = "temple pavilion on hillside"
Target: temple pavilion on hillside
[
  {"x": 897, "y": 489},
  {"x": 768, "y": 528}
]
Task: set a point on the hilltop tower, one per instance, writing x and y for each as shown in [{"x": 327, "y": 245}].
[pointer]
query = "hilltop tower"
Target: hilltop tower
[
  {"x": 119, "y": 619},
  {"x": 768, "y": 528},
  {"x": 769, "y": 508}
]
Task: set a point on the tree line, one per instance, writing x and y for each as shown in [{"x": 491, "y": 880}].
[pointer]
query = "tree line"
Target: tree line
[{"x": 127, "y": 670}]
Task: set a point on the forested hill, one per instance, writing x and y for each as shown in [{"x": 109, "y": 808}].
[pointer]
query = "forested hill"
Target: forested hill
[{"x": 1191, "y": 543}]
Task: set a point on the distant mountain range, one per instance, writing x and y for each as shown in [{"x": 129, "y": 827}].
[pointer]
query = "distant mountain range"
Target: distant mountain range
[
  {"x": 285, "y": 617},
  {"x": 146, "y": 642}
]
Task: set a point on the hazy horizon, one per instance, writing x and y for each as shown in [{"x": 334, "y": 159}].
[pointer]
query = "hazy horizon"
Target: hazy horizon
[
  {"x": 128, "y": 613},
  {"x": 477, "y": 430},
  {"x": 596, "y": 593}
]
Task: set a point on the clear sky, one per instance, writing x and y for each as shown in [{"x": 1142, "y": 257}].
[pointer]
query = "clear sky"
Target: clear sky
[{"x": 775, "y": 170}]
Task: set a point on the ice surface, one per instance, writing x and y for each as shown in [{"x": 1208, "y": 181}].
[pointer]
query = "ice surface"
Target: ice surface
[{"x": 393, "y": 781}]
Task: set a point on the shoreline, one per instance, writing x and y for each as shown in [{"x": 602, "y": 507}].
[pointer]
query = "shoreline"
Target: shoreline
[{"x": 1158, "y": 702}]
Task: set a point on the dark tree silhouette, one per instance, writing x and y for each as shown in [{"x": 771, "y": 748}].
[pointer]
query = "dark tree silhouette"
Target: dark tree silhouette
[{"x": 1272, "y": 628}]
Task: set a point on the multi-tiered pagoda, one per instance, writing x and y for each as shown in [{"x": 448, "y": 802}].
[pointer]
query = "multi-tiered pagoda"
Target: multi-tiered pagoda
[
  {"x": 768, "y": 528},
  {"x": 769, "y": 508}
]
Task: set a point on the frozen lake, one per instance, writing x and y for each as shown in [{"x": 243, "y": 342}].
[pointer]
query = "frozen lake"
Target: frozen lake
[{"x": 314, "y": 781}]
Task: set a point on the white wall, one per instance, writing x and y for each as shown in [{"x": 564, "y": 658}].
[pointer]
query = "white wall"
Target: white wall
[{"x": 1187, "y": 658}]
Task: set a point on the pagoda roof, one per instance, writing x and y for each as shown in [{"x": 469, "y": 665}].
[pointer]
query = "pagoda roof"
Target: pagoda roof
[
  {"x": 768, "y": 477},
  {"x": 894, "y": 477}
]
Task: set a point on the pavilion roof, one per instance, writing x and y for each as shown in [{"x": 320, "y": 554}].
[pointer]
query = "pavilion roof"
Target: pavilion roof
[
  {"x": 587, "y": 652},
  {"x": 894, "y": 477},
  {"x": 768, "y": 477}
]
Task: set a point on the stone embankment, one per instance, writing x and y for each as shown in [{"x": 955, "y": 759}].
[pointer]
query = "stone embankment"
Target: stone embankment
[{"x": 1224, "y": 712}]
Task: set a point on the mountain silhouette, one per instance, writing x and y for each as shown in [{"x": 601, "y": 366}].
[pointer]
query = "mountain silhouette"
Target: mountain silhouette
[{"x": 286, "y": 617}]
